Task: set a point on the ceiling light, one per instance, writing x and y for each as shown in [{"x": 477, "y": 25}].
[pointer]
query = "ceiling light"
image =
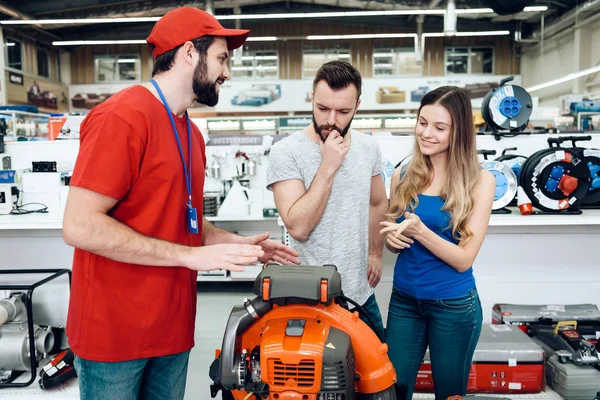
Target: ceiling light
[
  {"x": 362, "y": 36},
  {"x": 77, "y": 21},
  {"x": 535, "y": 8},
  {"x": 261, "y": 39},
  {"x": 95, "y": 42},
  {"x": 483, "y": 33},
  {"x": 335, "y": 14},
  {"x": 475, "y": 11},
  {"x": 434, "y": 34},
  {"x": 564, "y": 79}
]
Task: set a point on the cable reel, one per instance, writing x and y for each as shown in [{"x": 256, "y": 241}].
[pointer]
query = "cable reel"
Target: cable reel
[
  {"x": 506, "y": 182},
  {"x": 506, "y": 108},
  {"x": 557, "y": 178}
]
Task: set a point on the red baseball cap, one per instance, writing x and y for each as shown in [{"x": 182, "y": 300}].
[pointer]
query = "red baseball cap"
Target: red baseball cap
[{"x": 187, "y": 23}]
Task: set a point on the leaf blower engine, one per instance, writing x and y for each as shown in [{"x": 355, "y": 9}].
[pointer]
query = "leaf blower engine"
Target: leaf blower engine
[
  {"x": 296, "y": 341},
  {"x": 15, "y": 351}
]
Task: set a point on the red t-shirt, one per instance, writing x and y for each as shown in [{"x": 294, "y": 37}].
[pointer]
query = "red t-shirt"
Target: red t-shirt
[{"x": 128, "y": 151}]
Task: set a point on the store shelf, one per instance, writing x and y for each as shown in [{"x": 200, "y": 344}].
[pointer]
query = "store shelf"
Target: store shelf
[
  {"x": 54, "y": 221},
  {"x": 587, "y": 218},
  {"x": 241, "y": 219},
  {"x": 31, "y": 221}
]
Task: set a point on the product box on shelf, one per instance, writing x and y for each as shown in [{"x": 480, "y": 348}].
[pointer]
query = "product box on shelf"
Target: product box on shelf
[
  {"x": 506, "y": 361},
  {"x": 587, "y": 316},
  {"x": 523, "y": 313}
]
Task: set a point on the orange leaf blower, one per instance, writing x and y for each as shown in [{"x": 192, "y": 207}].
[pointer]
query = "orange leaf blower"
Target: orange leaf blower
[{"x": 294, "y": 341}]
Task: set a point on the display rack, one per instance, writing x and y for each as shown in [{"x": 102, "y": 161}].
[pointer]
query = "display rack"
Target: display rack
[{"x": 24, "y": 124}]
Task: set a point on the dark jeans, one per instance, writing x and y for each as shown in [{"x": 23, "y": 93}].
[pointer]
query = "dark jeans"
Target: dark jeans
[
  {"x": 158, "y": 378},
  {"x": 450, "y": 328},
  {"x": 372, "y": 309}
]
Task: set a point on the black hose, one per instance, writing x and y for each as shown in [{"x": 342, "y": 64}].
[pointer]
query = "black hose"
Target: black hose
[{"x": 361, "y": 310}]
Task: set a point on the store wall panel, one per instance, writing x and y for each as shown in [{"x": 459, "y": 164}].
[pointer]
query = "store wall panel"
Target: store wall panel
[
  {"x": 556, "y": 61},
  {"x": 46, "y": 94},
  {"x": 433, "y": 57},
  {"x": 290, "y": 52},
  {"x": 82, "y": 61}
]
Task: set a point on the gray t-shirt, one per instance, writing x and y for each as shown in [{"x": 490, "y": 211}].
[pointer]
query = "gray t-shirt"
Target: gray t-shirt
[{"x": 341, "y": 237}]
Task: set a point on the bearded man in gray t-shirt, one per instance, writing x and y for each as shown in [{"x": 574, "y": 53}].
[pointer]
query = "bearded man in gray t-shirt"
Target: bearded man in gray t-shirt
[{"x": 329, "y": 191}]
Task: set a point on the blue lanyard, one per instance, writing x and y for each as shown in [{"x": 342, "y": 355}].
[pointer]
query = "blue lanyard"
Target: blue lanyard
[{"x": 188, "y": 176}]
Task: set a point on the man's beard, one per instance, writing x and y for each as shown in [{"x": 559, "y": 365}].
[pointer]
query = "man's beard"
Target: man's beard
[
  {"x": 321, "y": 128},
  {"x": 205, "y": 91}
]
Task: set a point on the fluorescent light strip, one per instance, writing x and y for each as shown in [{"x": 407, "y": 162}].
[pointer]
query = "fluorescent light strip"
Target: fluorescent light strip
[
  {"x": 331, "y": 14},
  {"x": 535, "y": 8},
  {"x": 95, "y": 42},
  {"x": 434, "y": 34},
  {"x": 258, "y": 58},
  {"x": 77, "y": 21},
  {"x": 475, "y": 11},
  {"x": 107, "y": 42},
  {"x": 261, "y": 39},
  {"x": 564, "y": 79},
  {"x": 483, "y": 33},
  {"x": 363, "y": 36},
  {"x": 337, "y": 14}
]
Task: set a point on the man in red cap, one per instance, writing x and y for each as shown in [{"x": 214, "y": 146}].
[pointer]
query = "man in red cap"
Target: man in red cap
[{"x": 134, "y": 216}]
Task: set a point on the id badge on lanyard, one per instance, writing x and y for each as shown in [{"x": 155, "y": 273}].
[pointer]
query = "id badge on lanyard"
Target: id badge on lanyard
[{"x": 191, "y": 217}]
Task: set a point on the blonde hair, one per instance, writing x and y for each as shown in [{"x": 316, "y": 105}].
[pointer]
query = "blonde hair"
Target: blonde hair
[{"x": 463, "y": 165}]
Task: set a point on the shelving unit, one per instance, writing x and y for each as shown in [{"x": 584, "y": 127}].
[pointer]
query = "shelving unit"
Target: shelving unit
[{"x": 14, "y": 117}]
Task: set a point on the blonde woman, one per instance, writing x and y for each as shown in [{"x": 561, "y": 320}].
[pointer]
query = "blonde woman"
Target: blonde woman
[{"x": 440, "y": 207}]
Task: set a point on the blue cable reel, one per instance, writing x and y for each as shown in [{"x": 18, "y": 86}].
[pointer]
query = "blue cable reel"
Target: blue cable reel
[
  {"x": 592, "y": 197},
  {"x": 515, "y": 162},
  {"x": 506, "y": 184},
  {"x": 506, "y": 108}
]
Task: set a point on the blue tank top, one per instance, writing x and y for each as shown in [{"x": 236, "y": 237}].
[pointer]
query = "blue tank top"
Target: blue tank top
[{"x": 421, "y": 274}]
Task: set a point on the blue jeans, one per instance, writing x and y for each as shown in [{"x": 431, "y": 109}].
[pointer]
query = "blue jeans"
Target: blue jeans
[
  {"x": 371, "y": 308},
  {"x": 450, "y": 328},
  {"x": 155, "y": 378}
]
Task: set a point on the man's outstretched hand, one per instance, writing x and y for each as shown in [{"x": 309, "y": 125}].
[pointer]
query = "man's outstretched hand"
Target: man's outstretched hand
[{"x": 273, "y": 250}]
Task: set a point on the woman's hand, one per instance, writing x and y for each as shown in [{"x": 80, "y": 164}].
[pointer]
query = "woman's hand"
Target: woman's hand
[{"x": 399, "y": 236}]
